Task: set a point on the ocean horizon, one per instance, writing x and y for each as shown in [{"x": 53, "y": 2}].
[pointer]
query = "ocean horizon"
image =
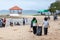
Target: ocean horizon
[{"x": 24, "y": 12}]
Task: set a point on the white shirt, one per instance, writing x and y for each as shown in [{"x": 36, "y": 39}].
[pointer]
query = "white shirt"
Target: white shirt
[
  {"x": 46, "y": 24},
  {"x": 34, "y": 24}
]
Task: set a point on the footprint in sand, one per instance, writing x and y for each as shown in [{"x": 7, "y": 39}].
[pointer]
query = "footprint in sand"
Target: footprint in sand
[
  {"x": 58, "y": 23},
  {"x": 1, "y": 37},
  {"x": 58, "y": 29},
  {"x": 15, "y": 29},
  {"x": 55, "y": 38}
]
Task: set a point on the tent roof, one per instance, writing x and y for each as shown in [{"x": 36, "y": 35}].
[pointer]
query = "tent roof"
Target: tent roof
[{"x": 15, "y": 8}]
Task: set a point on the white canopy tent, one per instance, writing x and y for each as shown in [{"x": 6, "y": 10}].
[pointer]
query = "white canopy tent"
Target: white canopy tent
[{"x": 17, "y": 15}]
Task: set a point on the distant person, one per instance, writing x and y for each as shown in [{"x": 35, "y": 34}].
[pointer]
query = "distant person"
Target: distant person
[
  {"x": 49, "y": 16},
  {"x": 46, "y": 25},
  {"x": 11, "y": 22},
  {"x": 55, "y": 16},
  {"x": 26, "y": 20},
  {"x": 4, "y": 22},
  {"x": 23, "y": 21},
  {"x": 34, "y": 25},
  {"x": 1, "y": 21}
]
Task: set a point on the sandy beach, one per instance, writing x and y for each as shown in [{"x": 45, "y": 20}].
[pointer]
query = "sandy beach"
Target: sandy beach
[{"x": 23, "y": 32}]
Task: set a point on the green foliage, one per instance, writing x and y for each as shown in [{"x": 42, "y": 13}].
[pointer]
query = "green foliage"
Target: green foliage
[{"x": 54, "y": 6}]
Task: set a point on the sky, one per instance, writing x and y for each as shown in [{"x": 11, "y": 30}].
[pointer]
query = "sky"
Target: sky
[{"x": 25, "y": 4}]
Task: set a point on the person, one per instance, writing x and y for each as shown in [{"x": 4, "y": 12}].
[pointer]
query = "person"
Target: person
[
  {"x": 34, "y": 25},
  {"x": 1, "y": 21},
  {"x": 55, "y": 16},
  {"x": 46, "y": 25},
  {"x": 23, "y": 21},
  {"x": 48, "y": 16},
  {"x": 4, "y": 22},
  {"x": 26, "y": 20},
  {"x": 11, "y": 22}
]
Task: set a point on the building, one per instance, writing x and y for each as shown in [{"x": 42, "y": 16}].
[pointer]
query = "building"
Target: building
[{"x": 15, "y": 9}]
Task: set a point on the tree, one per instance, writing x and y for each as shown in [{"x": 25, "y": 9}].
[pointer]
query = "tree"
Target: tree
[{"x": 54, "y": 6}]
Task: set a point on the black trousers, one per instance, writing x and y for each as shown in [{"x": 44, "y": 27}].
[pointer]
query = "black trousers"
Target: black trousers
[
  {"x": 3, "y": 25},
  {"x": 23, "y": 22},
  {"x": 34, "y": 29},
  {"x": 45, "y": 31}
]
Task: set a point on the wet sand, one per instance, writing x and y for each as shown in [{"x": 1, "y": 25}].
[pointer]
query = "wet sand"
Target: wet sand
[{"x": 23, "y": 32}]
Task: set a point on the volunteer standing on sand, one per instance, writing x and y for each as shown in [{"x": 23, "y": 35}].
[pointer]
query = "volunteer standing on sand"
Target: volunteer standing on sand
[
  {"x": 34, "y": 25},
  {"x": 46, "y": 25}
]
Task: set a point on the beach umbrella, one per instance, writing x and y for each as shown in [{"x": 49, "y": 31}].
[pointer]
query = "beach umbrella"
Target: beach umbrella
[
  {"x": 45, "y": 10},
  {"x": 42, "y": 10}
]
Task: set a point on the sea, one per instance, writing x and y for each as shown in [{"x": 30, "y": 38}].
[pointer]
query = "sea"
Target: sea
[{"x": 24, "y": 12}]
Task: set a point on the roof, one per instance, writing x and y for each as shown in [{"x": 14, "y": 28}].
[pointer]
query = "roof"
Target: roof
[{"x": 15, "y": 8}]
